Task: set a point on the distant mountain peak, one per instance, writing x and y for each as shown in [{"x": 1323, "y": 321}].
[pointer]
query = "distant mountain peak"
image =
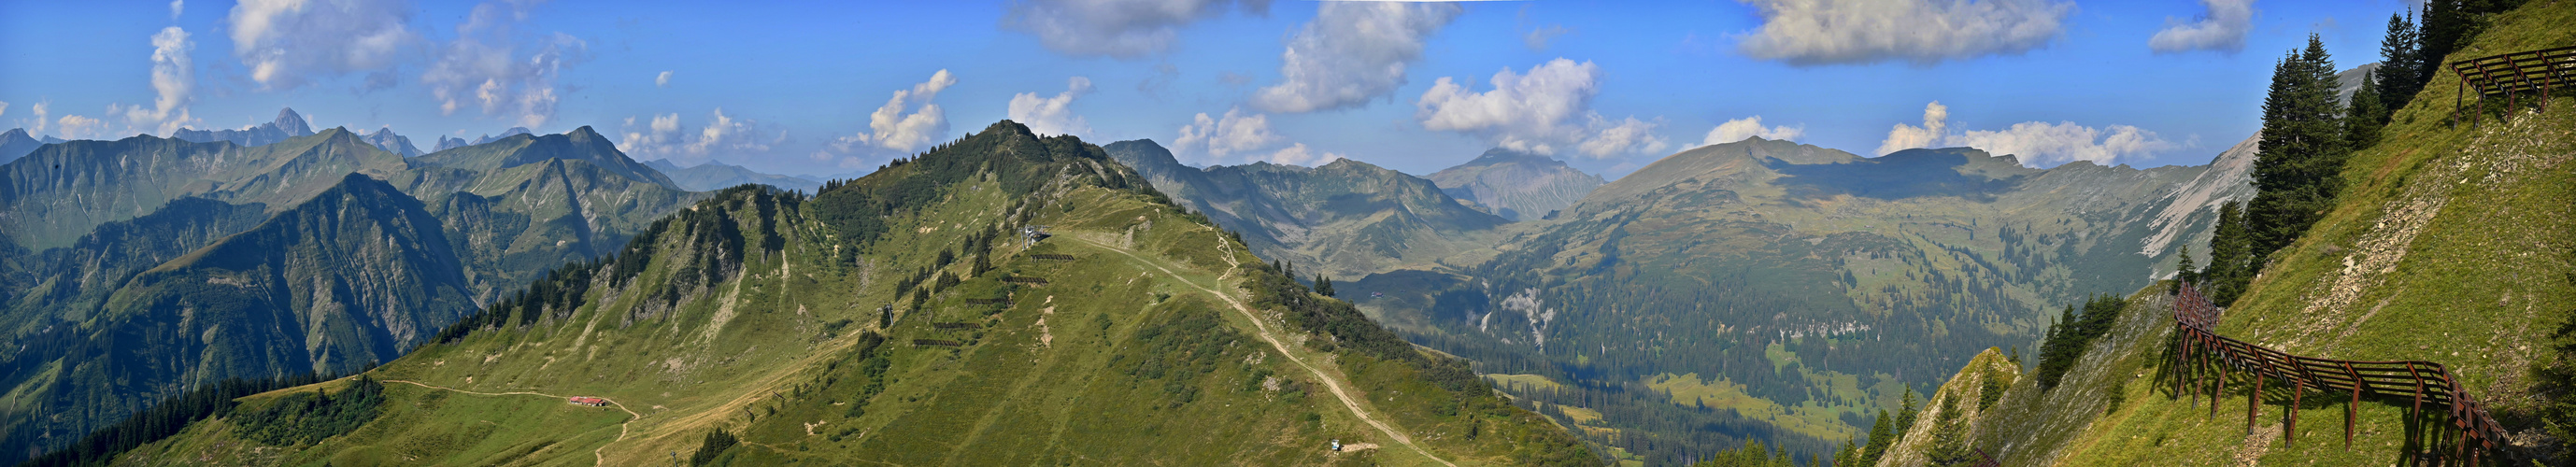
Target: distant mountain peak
[
  {"x": 287, "y": 125},
  {"x": 291, "y": 122},
  {"x": 1517, "y": 185},
  {"x": 15, "y": 144}
]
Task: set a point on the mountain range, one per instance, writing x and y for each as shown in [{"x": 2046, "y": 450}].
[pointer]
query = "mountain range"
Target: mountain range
[
  {"x": 1345, "y": 218},
  {"x": 713, "y": 175},
  {"x": 287, "y": 125},
  {"x": 1516, "y": 185},
  {"x": 323, "y": 253}
]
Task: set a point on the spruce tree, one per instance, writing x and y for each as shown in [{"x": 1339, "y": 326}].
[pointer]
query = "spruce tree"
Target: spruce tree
[
  {"x": 2298, "y": 170},
  {"x": 1906, "y": 413},
  {"x": 2361, "y": 123},
  {"x": 1882, "y": 435},
  {"x": 2230, "y": 257},
  {"x": 2401, "y": 65},
  {"x": 2183, "y": 271}
]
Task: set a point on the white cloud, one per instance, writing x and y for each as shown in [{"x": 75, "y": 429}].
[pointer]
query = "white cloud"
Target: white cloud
[
  {"x": 174, "y": 80},
  {"x": 1748, "y": 127},
  {"x": 1544, "y": 111},
  {"x": 79, "y": 127},
  {"x": 663, "y": 138},
  {"x": 2036, "y": 144},
  {"x": 1235, "y": 132},
  {"x": 286, "y": 43},
  {"x": 4, "y": 108},
  {"x": 177, "y": 6},
  {"x": 1936, "y": 118},
  {"x": 1924, "y": 32},
  {"x": 890, "y": 128},
  {"x": 1115, "y": 28},
  {"x": 662, "y": 80},
  {"x": 2223, "y": 29},
  {"x": 1353, "y": 52},
  {"x": 2041, "y": 144},
  {"x": 1052, "y": 115},
  {"x": 38, "y": 124},
  {"x": 484, "y": 66},
  {"x": 1298, "y": 155},
  {"x": 1537, "y": 39}
]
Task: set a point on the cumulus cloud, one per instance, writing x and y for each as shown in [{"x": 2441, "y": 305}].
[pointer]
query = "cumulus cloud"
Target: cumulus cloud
[
  {"x": 1052, "y": 115},
  {"x": 485, "y": 66},
  {"x": 1936, "y": 118},
  {"x": 1748, "y": 127},
  {"x": 4, "y": 108},
  {"x": 1298, "y": 155},
  {"x": 1924, "y": 32},
  {"x": 907, "y": 121},
  {"x": 2223, "y": 29},
  {"x": 174, "y": 80},
  {"x": 1217, "y": 137},
  {"x": 287, "y": 43},
  {"x": 1115, "y": 28},
  {"x": 663, "y": 138},
  {"x": 79, "y": 127},
  {"x": 1544, "y": 111},
  {"x": 2036, "y": 144},
  {"x": 36, "y": 126},
  {"x": 2042, "y": 144},
  {"x": 177, "y": 6},
  {"x": 1352, "y": 53},
  {"x": 662, "y": 80}
]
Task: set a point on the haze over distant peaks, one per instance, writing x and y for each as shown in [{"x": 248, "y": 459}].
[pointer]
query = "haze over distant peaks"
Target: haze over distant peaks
[
  {"x": 384, "y": 138},
  {"x": 714, "y": 175},
  {"x": 288, "y": 125},
  {"x": 1516, "y": 185},
  {"x": 446, "y": 143},
  {"x": 15, "y": 144}
]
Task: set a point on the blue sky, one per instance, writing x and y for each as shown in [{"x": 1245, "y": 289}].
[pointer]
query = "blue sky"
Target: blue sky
[{"x": 1607, "y": 86}]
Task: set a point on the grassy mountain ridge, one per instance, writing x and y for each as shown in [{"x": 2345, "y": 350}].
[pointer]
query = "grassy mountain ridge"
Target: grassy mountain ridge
[
  {"x": 2448, "y": 244},
  {"x": 61, "y": 191},
  {"x": 1347, "y": 217},
  {"x": 898, "y": 318}
]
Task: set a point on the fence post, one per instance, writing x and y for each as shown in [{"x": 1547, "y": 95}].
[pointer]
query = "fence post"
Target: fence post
[
  {"x": 2254, "y": 401},
  {"x": 2353, "y": 409}
]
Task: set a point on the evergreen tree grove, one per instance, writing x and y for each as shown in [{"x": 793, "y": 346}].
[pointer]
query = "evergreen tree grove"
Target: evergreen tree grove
[{"x": 2299, "y": 169}]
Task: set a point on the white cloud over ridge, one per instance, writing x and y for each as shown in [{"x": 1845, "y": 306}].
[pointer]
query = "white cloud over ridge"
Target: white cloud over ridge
[
  {"x": 1217, "y": 137},
  {"x": 662, "y": 138},
  {"x": 174, "y": 83},
  {"x": 484, "y": 66},
  {"x": 907, "y": 121},
  {"x": 2035, "y": 144},
  {"x": 1052, "y": 115},
  {"x": 1352, "y": 53},
  {"x": 1748, "y": 127},
  {"x": 1545, "y": 111},
  {"x": 2223, "y": 29},
  {"x": 287, "y": 43},
  {"x": 1115, "y": 28},
  {"x": 1923, "y": 32},
  {"x": 79, "y": 127}
]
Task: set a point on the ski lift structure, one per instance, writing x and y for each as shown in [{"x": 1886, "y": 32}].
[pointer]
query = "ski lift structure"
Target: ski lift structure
[{"x": 1035, "y": 233}]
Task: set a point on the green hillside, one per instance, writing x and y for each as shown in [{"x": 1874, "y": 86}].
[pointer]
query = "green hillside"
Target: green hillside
[
  {"x": 62, "y": 191},
  {"x": 2449, "y": 244},
  {"x": 1347, "y": 218},
  {"x": 900, "y": 318},
  {"x": 1787, "y": 292}
]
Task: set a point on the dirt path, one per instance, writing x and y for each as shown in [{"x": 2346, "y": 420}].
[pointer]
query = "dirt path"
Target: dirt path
[
  {"x": 1267, "y": 336},
  {"x": 596, "y": 455}
]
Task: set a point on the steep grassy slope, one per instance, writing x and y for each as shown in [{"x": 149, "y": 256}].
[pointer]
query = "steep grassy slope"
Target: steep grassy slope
[
  {"x": 80, "y": 277},
  {"x": 1348, "y": 217},
  {"x": 1516, "y": 185},
  {"x": 1794, "y": 285},
  {"x": 2449, "y": 244},
  {"x": 355, "y": 276},
  {"x": 898, "y": 318}
]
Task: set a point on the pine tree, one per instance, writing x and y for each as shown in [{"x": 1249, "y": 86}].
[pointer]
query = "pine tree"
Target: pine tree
[
  {"x": 2230, "y": 257},
  {"x": 1906, "y": 413},
  {"x": 2438, "y": 36},
  {"x": 1848, "y": 456},
  {"x": 1323, "y": 285},
  {"x": 2298, "y": 171},
  {"x": 1949, "y": 444},
  {"x": 2184, "y": 273},
  {"x": 2401, "y": 64},
  {"x": 1882, "y": 435},
  {"x": 2362, "y": 122}
]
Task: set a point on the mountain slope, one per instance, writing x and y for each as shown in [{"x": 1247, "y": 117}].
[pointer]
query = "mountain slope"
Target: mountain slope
[
  {"x": 580, "y": 144},
  {"x": 288, "y": 125},
  {"x": 78, "y": 278},
  {"x": 62, "y": 191},
  {"x": 1516, "y": 185},
  {"x": 712, "y": 176},
  {"x": 813, "y": 331},
  {"x": 1830, "y": 281},
  {"x": 223, "y": 311},
  {"x": 1347, "y": 217},
  {"x": 2448, "y": 245}
]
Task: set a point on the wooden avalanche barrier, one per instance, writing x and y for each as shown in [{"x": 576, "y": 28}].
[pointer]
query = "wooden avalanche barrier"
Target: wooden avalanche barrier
[
  {"x": 2206, "y": 359},
  {"x": 2512, "y": 75}
]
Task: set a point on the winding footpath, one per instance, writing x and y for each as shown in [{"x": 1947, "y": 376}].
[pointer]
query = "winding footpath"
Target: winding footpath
[
  {"x": 596, "y": 454},
  {"x": 1267, "y": 336}
]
